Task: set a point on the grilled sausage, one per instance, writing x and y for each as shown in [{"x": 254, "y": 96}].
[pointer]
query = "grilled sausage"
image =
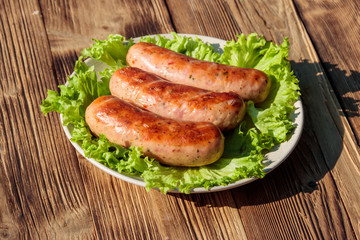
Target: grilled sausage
[
  {"x": 178, "y": 101},
  {"x": 249, "y": 84},
  {"x": 170, "y": 141}
]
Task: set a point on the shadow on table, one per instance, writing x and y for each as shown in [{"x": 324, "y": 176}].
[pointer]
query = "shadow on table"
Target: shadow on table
[
  {"x": 317, "y": 152},
  {"x": 342, "y": 82}
]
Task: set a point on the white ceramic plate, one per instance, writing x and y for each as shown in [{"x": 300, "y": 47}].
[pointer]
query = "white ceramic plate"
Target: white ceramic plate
[{"x": 273, "y": 159}]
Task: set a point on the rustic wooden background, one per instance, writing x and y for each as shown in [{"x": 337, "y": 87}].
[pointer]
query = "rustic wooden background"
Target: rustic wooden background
[{"x": 49, "y": 191}]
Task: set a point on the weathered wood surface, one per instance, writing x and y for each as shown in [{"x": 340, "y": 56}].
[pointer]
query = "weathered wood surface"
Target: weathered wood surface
[{"x": 47, "y": 190}]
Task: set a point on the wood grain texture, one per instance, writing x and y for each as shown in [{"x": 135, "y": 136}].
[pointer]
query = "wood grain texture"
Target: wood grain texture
[
  {"x": 36, "y": 175},
  {"x": 275, "y": 20},
  {"x": 119, "y": 209},
  {"x": 209, "y": 18},
  {"x": 326, "y": 21},
  {"x": 50, "y": 191},
  {"x": 77, "y": 23},
  {"x": 133, "y": 213},
  {"x": 334, "y": 27}
]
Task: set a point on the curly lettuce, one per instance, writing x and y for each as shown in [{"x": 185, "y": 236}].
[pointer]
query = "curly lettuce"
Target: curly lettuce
[{"x": 265, "y": 124}]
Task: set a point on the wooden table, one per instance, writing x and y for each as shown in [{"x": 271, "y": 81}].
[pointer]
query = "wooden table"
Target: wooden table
[{"x": 48, "y": 191}]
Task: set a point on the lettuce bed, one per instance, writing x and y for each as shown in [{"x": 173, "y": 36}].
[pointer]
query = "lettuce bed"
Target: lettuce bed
[{"x": 265, "y": 125}]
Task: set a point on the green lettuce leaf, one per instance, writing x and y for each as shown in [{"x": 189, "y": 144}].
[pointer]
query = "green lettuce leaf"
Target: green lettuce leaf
[
  {"x": 195, "y": 48},
  {"x": 246, "y": 52},
  {"x": 111, "y": 51},
  {"x": 264, "y": 126},
  {"x": 272, "y": 116}
]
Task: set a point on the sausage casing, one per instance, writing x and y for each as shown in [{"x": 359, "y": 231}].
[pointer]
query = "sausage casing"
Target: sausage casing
[
  {"x": 171, "y": 142},
  {"x": 177, "y": 101},
  {"x": 249, "y": 84}
]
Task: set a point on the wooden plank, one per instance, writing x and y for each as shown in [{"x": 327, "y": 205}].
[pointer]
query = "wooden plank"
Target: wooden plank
[
  {"x": 213, "y": 215},
  {"x": 38, "y": 165},
  {"x": 334, "y": 28},
  {"x": 330, "y": 130},
  {"x": 118, "y": 209},
  {"x": 340, "y": 59},
  {"x": 210, "y": 18},
  {"x": 77, "y": 23}
]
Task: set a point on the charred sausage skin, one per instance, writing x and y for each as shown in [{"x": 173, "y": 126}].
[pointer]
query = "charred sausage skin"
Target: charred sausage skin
[
  {"x": 177, "y": 101},
  {"x": 171, "y": 142},
  {"x": 249, "y": 84}
]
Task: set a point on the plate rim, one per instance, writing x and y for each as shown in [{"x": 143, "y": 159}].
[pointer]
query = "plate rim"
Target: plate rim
[{"x": 294, "y": 139}]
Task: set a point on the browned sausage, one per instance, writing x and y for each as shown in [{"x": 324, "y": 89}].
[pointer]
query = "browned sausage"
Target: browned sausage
[
  {"x": 170, "y": 141},
  {"x": 249, "y": 84},
  {"x": 178, "y": 101}
]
